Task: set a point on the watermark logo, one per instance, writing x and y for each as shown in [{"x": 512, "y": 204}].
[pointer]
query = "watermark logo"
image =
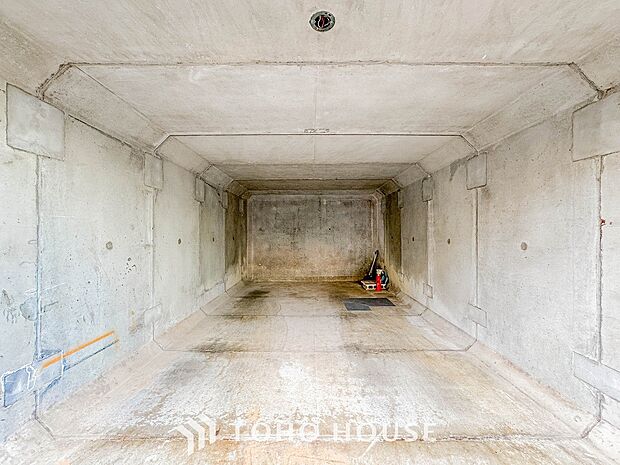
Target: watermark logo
[{"x": 198, "y": 431}]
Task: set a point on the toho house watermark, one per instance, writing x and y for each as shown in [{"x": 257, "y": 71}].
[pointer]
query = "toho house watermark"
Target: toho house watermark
[{"x": 198, "y": 431}]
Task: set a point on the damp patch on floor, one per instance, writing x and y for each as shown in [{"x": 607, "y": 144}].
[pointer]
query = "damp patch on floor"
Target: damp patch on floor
[{"x": 364, "y": 303}]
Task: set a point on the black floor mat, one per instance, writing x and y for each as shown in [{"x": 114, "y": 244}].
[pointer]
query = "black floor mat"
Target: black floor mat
[{"x": 364, "y": 303}]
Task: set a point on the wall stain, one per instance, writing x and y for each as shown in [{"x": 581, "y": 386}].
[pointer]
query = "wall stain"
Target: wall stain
[{"x": 8, "y": 308}]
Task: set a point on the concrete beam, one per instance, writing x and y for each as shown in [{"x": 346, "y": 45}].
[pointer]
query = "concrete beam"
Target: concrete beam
[
  {"x": 389, "y": 187},
  {"x": 427, "y": 189},
  {"x": 153, "y": 172},
  {"x": 180, "y": 154},
  {"x": 199, "y": 190},
  {"x": 216, "y": 177},
  {"x": 477, "y": 171},
  {"x": 34, "y": 126},
  {"x": 454, "y": 150},
  {"x": 81, "y": 96},
  {"x": 563, "y": 90},
  {"x": 236, "y": 188},
  {"x": 596, "y": 128},
  {"x": 602, "y": 65},
  {"x": 410, "y": 175}
]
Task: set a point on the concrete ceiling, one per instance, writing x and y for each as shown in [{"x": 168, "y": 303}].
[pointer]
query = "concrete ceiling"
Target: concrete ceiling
[
  {"x": 189, "y": 31},
  {"x": 327, "y": 149},
  {"x": 250, "y": 89},
  {"x": 336, "y": 98},
  {"x": 323, "y": 185},
  {"x": 363, "y": 171}
]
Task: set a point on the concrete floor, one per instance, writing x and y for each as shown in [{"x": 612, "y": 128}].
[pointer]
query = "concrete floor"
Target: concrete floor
[{"x": 290, "y": 353}]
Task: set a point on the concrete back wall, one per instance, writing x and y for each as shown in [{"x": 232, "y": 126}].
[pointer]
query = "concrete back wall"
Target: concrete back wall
[
  {"x": 309, "y": 236},
  {"x": 100, "y": 244},
  {"x": 530, "y": 267}
]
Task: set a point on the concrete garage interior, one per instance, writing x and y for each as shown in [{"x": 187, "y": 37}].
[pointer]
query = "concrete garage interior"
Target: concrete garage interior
[{"x": 191, "y": 191}]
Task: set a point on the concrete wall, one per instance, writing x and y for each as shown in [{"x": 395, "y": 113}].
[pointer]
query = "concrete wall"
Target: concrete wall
[
  {"x": 212, "y": 251},
  {"x": 609, "y": 318},
  {"x": 235, "y": 223},
  {"x": 176, "y": 239},
  {"x": 413, "y": 274},
  {"x": 309, "y": 236},
  {"x": 436, "y": 256},
  {"x": 93, "y": 260},
  {"x": 18, "y": 266},
  {"x": 450, "y": 245},
  {"x": 101, "y": 248},
  {"x": 393, "y": 249},
  {"x": 537, "y": 236},
  {"x": 529, "y": 268}
]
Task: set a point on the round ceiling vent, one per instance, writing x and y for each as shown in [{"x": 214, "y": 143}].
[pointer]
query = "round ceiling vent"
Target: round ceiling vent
[{"x": 322, "y": 21}]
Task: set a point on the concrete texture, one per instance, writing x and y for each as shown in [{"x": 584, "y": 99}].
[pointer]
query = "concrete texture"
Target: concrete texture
[
  {"x": 393, "y": 251},
  {"x": 309, "y": 237},
  {"x": 18, "y": 273},
  {"x": 221, "y": 93},
  {"x": 414, "y": 242},
  {"x": 26, "y": 62},
  {"x": 172, "y": 149},
  {"x": 93, "y": 262},
  {"x": 487, "y": 103},
  {"x": 34, "y": 126},
  {"x": 291, "y": 352},
  {"x": 450, "y": 245},
  {"x": 487, "y": 80},
  {"x": 610, "y": 253},
  {"x": 86, "y": 248},
  {"x": 454, "y": 150},
  {"x": 321, "y": 149},
  {"x": 371, "y": 136},
  {"x": 177, "y": 239},
  {"x": 428, "y": 188},
  {"x": 365, "y": 171},
  {"x": 83, "y": 97},
  {"x": 280, "y": 98},
  {"x": 212, "y": 252},
  {"x": 539, "y": 252},
  {"x": 235, "y": 234},
  {"x": 602, "y": 64},
  {"x": 596, "y": 128},
  {"x": 523, "y": 253},
  {"x": 477, "y": 171},
  {"x": 409, "y": 175},
  {"x": 230, "y": 32},
  {"x": 537, "y": 237},
  {"x": 199, "y": 190},
  {"x": 153, "y": 172},
  {"x": 599, "y": 376},
  {"x": 532, "y": 107},
  {"x": 304, "y": 185}
]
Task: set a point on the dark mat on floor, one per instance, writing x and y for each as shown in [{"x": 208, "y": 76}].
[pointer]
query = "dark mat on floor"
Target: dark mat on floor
[{"x": 364, "y": 303}]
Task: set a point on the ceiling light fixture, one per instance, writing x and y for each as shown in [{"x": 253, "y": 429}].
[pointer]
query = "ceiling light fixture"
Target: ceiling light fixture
[{"x": 322, "y": 21}]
